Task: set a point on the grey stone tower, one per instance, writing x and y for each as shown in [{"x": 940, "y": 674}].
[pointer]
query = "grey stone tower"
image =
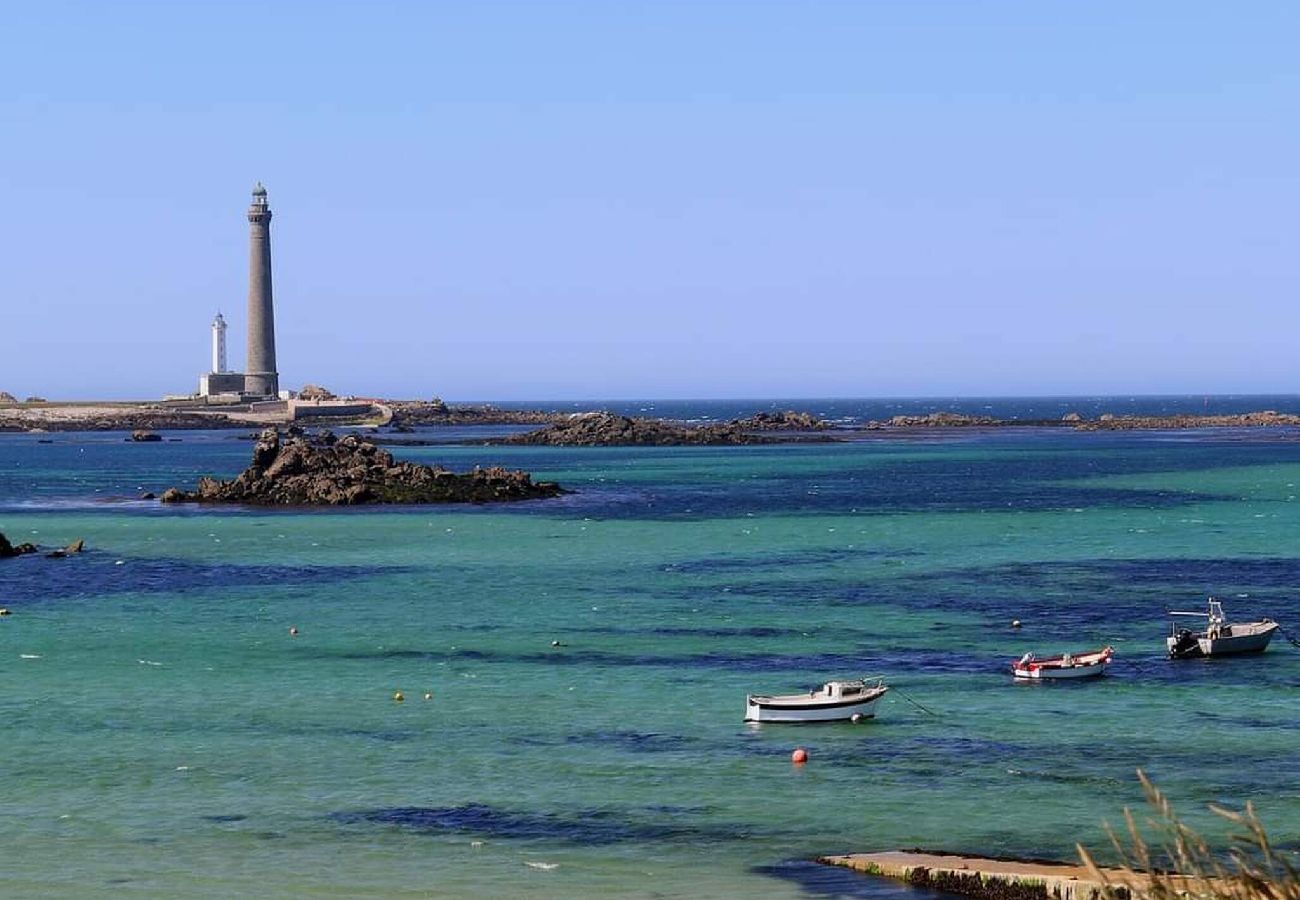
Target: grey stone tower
[{"x": 260, "y": 376}]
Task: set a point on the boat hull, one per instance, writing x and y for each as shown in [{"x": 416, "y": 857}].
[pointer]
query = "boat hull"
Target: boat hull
[
  {"x": 1046, "y": 673},
  {"x": 1066, "y": 667},
  {"x": 1256, "y": 640},
  {"x": 758, "y": 711}
]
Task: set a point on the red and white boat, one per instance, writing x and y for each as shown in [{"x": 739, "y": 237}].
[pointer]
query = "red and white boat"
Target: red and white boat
[{"x": 1088, "y": 664}]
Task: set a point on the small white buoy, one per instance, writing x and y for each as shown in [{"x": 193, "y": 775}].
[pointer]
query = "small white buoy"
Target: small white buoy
[
  {"x": 1015, "y": 623},
  {"x": 120, "y": 562},
  {"x": 855, "y": 718}
]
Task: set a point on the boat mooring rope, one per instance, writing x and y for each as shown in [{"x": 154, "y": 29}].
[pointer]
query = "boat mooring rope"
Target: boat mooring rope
[
  {"x": 914, "y": 703},
  {"x": 1290, "y": 640}
]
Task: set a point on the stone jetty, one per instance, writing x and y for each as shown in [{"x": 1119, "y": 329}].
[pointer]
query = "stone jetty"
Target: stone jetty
[
  {"x": 994, "y": 879},
  {"x": 348, "y": 471}
]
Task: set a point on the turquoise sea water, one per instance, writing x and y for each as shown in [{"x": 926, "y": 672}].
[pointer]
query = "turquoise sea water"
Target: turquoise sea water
[{"x": 166, "y": 736}]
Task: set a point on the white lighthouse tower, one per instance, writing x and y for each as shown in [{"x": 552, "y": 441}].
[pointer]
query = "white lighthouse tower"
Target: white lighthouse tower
[
  {"x": 219, "y": 345},
  {"x": 220, "y": 382}
]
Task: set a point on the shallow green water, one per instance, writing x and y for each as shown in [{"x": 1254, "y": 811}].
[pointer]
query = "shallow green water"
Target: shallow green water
[{"x": 167, "y": 736}]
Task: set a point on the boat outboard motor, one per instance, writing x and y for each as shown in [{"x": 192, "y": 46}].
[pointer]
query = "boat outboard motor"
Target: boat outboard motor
[{"x": 1185, "y": 644}]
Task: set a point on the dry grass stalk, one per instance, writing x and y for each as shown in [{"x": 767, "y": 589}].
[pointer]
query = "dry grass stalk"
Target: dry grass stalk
[{"x": 1251, "y": 869}]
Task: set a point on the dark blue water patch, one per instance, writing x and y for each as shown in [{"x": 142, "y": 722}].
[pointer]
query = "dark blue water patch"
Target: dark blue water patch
[
  {"x": 588, "y": 827},
  {"x": 33, "y": 579},
  {"x": 821, "y": 880},
  {"x": 1248, "y": 721},
  {"x": 629, "y": 741},
  {"x": 996, "y": 475},
  {"x": 1063, "y": 600},
  {"x": 902, "y": 660},
  {"x": 782, "y": 561},
  {"x": 756, "y": 631},
  {"x": 226, "y": 819}
]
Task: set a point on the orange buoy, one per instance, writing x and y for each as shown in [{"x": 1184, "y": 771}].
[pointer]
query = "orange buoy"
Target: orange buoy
[{"x": 799, "y": 756}]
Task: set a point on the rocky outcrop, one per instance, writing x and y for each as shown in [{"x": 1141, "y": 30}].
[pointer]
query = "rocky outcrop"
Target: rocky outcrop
[
  {"x": 347, "y": 471},
  {"x": 145, "y": 436},
  {"x": 940, "y": 419},
  {"x": 610, "y": 430},
  {"x": 1262, "y": 419},
  {"x": 787, "y": 420},
  {"x": 7, "y": 398},
  {"x": 407, "y": 414},
  {"x": 143, "y": 420},
  {"x": 8, "y": 550},
  {"x": 75, "y": 547},
  {"x": 315, "y": 392}
]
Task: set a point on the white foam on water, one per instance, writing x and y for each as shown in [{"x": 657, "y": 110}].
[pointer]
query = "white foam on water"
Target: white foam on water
[
  {"x": 544, "y": 866},
  {"x": 29, "y": 656}
]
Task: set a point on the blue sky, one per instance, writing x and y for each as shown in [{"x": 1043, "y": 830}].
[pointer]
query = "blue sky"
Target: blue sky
[{"x": 657, "y": 199}]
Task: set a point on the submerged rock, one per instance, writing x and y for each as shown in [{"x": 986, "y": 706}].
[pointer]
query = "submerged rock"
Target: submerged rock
[
  {"x": 145, "y": 436},
  {"x": 75, "y": 547},
  {"x": 348, "y": 471},
  {"x": 8, "y": 550}
]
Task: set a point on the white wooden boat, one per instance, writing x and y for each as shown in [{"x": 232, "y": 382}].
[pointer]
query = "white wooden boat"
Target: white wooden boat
[
  {"x": 1220, "y": 637},
  {"x": 835, "y": 701},
  {"x": 1088, "y": 664}
]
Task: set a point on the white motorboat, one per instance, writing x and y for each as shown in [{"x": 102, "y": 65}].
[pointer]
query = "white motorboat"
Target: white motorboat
[
  {"x": 1220, "y": 637},
  {"x": 1088, "y": 664},
  {"x": 835, "y": 701}
]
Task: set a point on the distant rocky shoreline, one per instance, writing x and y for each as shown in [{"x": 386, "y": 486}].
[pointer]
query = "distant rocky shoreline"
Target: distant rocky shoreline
[
  {"x": 597, "y": 427},
  {"x": 350, "y": 471}
]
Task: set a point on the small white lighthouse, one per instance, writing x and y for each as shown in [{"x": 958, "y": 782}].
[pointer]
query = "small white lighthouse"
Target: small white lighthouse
[
  {"x": 219, "y": 345},
  {"x": 220, "y": 381}
]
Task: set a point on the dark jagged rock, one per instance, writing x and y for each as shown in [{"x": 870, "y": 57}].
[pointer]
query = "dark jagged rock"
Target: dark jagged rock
[
  {"x": 348, "y": 471},
  {"x": 8, "y": 398},
  {"x": 407, "y": 414},
  {"x": 145, "y": 436},
  {"x": 75, "y": 547},
  {"x": 786, "y": 420},
  {"x": 610, "y": 430},
  {"x": 8, "y": 550}
]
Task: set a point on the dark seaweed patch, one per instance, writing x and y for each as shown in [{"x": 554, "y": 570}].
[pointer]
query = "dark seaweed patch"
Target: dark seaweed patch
[
  {"x": 893, "y": 660},
  {"x": 631, "y": 741},
  {"x": 583, "y": 827},
  {"x": 222, "y": 819},
  {"x": 94, "y": 574},
  {"x": 779, "y": 560}
]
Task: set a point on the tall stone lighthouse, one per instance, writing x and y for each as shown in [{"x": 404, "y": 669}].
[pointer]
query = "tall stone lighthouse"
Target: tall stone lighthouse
[{"x": 260, "y": 376}]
